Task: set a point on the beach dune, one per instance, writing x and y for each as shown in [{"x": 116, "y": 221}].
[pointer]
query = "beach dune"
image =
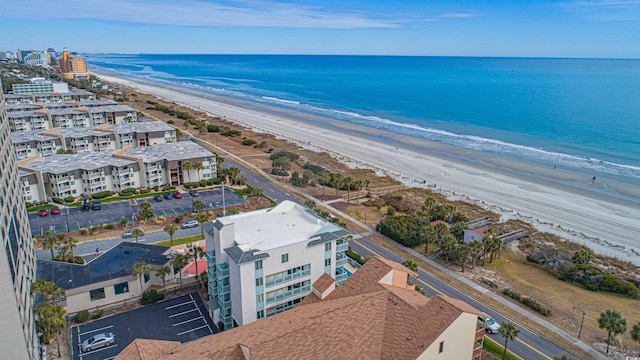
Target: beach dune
[{"x": 608, "y": 225}]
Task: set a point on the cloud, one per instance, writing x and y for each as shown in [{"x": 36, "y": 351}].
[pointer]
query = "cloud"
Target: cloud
[
  {"x": 198, "y": 13},
  {"x": 605, "y": 10}
]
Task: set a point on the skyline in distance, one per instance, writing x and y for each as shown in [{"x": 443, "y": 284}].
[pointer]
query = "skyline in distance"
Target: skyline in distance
[{"x": 569, "y": 28}]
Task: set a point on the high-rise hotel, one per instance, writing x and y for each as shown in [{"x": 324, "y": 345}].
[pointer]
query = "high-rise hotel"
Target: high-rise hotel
[{"x": 18, "y": 338}]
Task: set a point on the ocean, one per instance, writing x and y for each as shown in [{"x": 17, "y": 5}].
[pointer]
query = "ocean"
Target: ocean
[{"x": 580, "y": 115}]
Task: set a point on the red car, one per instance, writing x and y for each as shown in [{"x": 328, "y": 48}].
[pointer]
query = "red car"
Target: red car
[
  {"x": 43, "y": 212},
  {"x": 177, "y": 195},
  {"x": 55, "y": 211}
]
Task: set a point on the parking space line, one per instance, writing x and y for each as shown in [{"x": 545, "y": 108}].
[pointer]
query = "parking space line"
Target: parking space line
[
  {"x": 186, "y": 321},
  {"x": 92, "y": 331},
  {"x": 184, "y": 303},
  {"x": 97, "y": 350},
  {"x": 200, "y": 312},
  {"x": 192, "y": 330},
  {"x": 182, "y": 313}
]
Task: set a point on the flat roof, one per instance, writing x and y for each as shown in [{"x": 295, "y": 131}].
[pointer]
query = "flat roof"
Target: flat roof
[
  {"x": 66, "y": 111},
  {"x": 26, "y": 136},
  {"x": 79, "y": 132},
  {"x": 116, "y": 263},
  {"x": 139, "y": 127},
  {"x": 96, "y": 102},
  {"x": 110, "y": 108},
  {"x": 183, "y": 150},
  {"x": 62, "y": 163},
  {"x": 287, "y": 223}
]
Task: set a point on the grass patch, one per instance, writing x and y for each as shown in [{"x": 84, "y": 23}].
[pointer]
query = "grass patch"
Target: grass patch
[
  {"x": 180, "y": 241},
  {"x": 496, "y": 349},
  {"x": 40, "y": 207}
]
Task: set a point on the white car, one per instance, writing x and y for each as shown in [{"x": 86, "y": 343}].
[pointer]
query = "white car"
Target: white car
[
  {"x": 490, "y": 325},
  {"x": 189, "y": 224},
  {"x": 98, "y": 341}
]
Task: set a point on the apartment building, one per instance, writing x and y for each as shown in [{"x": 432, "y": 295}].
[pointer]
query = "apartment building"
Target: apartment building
[
  {"x": 375, "y": 314},
  {"x": 32, "y": 117},
  {"x": 18, "y": 339},
  {"x": 63, "y": 175},
  {"x": 73, "y": 66},
  {"x": 53, "y": 97},
  {"x": 263, "y": 262},
  {"x": 36, "y": 86}
]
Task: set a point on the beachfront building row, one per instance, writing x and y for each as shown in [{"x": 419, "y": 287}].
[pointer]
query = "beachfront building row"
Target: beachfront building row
[
  {"x": 264, "y": 262},
  {"x": 64, "y": 175},
  {"x": 375, "y": 314},
  {"x": 47, "y": 118},
  {"x": 72, "y": 66},
  {"x": 92, "y": 139},
  {"x": 18, "y": 339},
  {"x": 24, "y": 94}
]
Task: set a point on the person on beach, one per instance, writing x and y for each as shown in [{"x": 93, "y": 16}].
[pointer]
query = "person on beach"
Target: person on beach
[{"x": 593, "y": 180}]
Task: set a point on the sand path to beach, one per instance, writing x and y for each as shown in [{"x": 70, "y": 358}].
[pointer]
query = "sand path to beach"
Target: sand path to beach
[{"x": 607, "y": 225}]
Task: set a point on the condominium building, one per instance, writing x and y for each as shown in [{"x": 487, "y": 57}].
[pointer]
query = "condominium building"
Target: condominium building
[
  {"x": 36, "y": 86},
  {"x": 63, "y": 175},
  {"x": 73, "y": 67},
  {"x": 65, "y": 115},
  {"x": 263, "y": 262},
  {"x": 376, "y": 314},
  {"x": 18, "y": 338},
  {"x": 54, "y": 97}
]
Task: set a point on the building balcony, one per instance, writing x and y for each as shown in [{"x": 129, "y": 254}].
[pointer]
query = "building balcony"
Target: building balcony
[
  {"x": 211, "y": 257},
  {"x": 342, "y": 247},
  {"x": 342, "y": 262},
  {"x": 288, "y": 294},
  {"x": 224, "y": 289},
  {"x": 341, "y": 275},
  {"x": 213, "y": 290},
  {"x": 224, "y": 304},
  {"x": 211, "y": 272},
  {"x": 227, "y": 321},
  {"x": 287, "y": 278},
  {"x": 223, "y": 270}
]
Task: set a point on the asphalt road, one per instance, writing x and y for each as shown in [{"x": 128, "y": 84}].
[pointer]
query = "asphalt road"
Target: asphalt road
[{"x": 112, "y": 212}]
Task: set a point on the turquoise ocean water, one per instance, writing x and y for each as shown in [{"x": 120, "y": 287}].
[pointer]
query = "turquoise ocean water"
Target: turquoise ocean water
[{"x": 581, "y": 115}]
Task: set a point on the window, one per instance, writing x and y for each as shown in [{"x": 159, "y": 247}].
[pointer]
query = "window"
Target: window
[
  {"x": 285, "y": 258},
  {"x": 146, "y": 278},
  {"x": 327, "y": 246},
  {"x": 259, "y": 298},
  {"x": 260, "y": 314},
  {"x": 441, "y": 347},
  {"x": 327, "y": 262},
  {"x": 258, "y": 264},
  {"x": 259, "y": 281},
  {"x": 121, "y": 288},
  {"x": 97, "y": 294}
]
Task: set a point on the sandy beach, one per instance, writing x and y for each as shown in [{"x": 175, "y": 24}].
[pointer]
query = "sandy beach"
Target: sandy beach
[{"x": 608, "y": 225}]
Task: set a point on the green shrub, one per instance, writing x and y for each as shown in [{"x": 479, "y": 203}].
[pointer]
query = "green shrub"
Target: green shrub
[
  {"x": 166, "y": 187},
  {"x": 109, "y": 226},
  {"x": 178, "y": 219},
  {"x": 28, "y": 204},
  {"x": 145, "y": 191},
  {"x": 82, "y": 316},
  {"x": 512, "y": 294},
  {"x": 210, "y": 182},
  {"x": 248, "y": 142},
  {"x": 220, "y": 325},
  {"x": 101, "y": 194},
  {"x": 156, "y": 187},
  {"x": 98, "y": 314},
  {"x": 217, "y": 181},
  {"x": 405, "y": 230},
  {"x": 129, "y": 190},
  {"x": 84, "y": 231},
  {"x": 69, "y": 199},
  {"x": 57, "y": 200},
  {"x": 171, "y": 122},
  {"x": 213, "y": 128},
  {"x": 203, "y": 183},
  {"x": 151, "y": 297}
]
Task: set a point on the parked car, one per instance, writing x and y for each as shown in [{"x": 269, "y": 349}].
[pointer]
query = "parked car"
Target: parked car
[
  {"x": 96, "y": 205},
  {"x": 168, "y": 196},
  {"x": 43, "y": 212},
  {"x": 490, "y": 325},
  {"x": 194, "y": 193},
  {"x": 85, "y": 205},
  {"x": 129, "y": 233},
  {"x": 55, "y": 211},
  {"x": 98, "y": 341},
  {"x": 157, "y": 198},
  {"x": 189, "y": 224},
  {"x": 177, "y": 195}
]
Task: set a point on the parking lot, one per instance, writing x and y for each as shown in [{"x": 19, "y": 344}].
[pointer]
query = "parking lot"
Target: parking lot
[
  {"x": 113, "y": 212},
  {"x": 181, "y": 319}
]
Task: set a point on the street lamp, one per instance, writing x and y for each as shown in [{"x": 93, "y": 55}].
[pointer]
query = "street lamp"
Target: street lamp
[
  {"x": 224, "y": 208},
  {"x": 67, "y": 214},
  {"x": 581, "y": 324}
]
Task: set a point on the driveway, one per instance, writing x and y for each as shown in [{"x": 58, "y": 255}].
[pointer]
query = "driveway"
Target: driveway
[
  {"x": 180, "y": 319},
  {"x": 74, "y": 219}
]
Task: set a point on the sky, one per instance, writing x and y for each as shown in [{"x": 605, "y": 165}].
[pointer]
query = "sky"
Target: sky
[{"x": 543, "y": 28}]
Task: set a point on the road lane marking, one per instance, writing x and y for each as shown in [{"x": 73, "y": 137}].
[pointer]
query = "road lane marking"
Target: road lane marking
[
  {"x": 198, "y": 328},
  {"x": 187, "y": 321},
  {"x": 534, "y": 349},
  {"x": 92, "y": 331},
  {"x": 178, "y": 305},
  {"x": 182, "y": 313}
]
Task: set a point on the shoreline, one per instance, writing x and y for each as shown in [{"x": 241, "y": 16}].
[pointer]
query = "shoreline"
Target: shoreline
[{"x": 606, "y": 224}]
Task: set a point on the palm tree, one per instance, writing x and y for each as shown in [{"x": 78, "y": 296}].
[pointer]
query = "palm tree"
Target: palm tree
[
  {"x": 310, "y": 204},
  {"x": 448, "y": 246},
  {"x": 476, "y": 249},
  {"x": 202, "y": 218},
  {"x": 136, "y": 233},
  {"x": 162, "y": 273},
  {"x": 187, "y": 166},
  {"x": 348, "y": 182},
  {"x": 70, "y": 243},
  {"x": 411, "y": 265},
  {"x": 171, "y": 229},
  {"x": 613, "y": 322},
  {"x": 178, "y": 262},
  {"x": 462, "y": 254},
  {"x": 52, "y": 241},
  {"x": 49, "y": 321},
  {"x": 234, "y": 172},
  {"x": 428, "y": 206},
  {"x": 496, "y": 247},
  {"x": 140, "y": 269},
  {"x": 487, "y": 241},
  {"x": 124, "y": 221},
  {"x": 196, "y": 253},
  {"x": 197, "y": 167},
  {"x": 198, "y": 205},
  {"x": 441, "y": 229},
  {"x": 635, "y": 333},
  {"x": 48, "y": 290},
  {"x": 509, "y": 332},
  {"x": 429, "y": 234},
  {"x": 258, "y": 192}
]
